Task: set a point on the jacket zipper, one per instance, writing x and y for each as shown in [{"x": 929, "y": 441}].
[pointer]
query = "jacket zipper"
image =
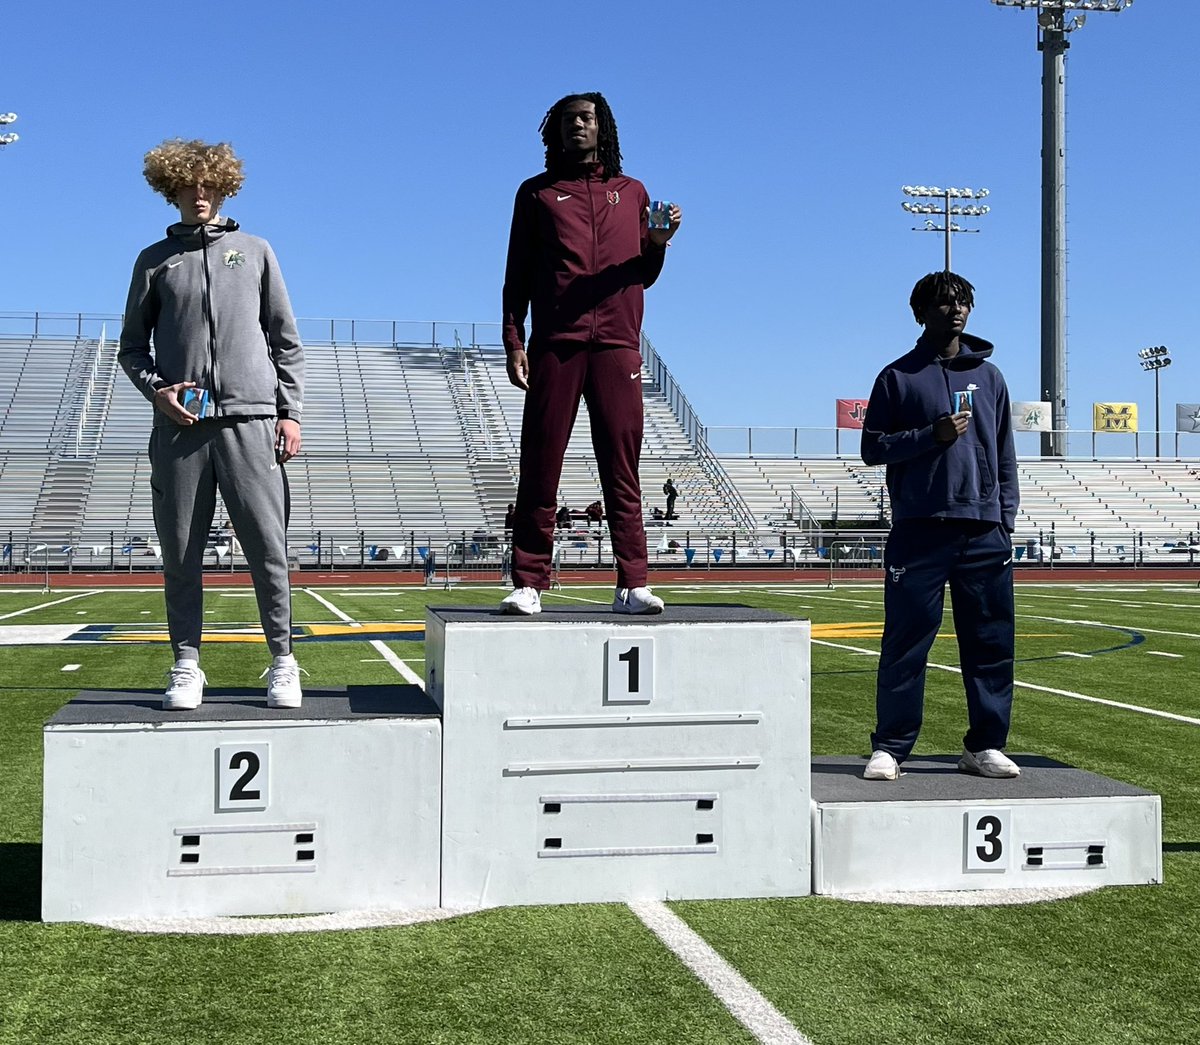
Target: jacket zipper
[
  {"x": 595, "y": 246},
  {"x": 212, "y": 325}
]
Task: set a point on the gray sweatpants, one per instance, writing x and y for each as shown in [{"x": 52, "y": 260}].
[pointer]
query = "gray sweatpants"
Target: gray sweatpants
[{"x": 187, "y": 464}]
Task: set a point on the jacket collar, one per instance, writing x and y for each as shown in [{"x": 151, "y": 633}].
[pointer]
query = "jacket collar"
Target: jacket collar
[{"x": 190, "y": 236}]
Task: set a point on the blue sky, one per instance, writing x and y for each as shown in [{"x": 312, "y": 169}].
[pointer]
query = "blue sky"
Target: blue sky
[{"x": 384, "y": 141}]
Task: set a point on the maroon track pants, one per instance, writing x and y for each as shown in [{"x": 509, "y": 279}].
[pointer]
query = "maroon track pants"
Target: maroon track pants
[{"x": 610, "y": 380}]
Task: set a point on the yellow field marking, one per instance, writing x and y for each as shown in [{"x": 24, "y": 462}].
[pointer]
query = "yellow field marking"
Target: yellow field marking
[{"x": 874, "y": 630}]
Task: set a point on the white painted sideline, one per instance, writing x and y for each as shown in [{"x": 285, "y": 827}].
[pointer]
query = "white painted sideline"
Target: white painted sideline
[{"x": 744, "y": 1002}]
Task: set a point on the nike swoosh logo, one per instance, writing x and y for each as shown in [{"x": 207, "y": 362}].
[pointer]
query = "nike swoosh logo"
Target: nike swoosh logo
[
  {"x": 174, "y": 264},
  {"x": 1006, "y": 561},
  {"x": 566, "y": 197},
  {"x": 636, "y": 374}
]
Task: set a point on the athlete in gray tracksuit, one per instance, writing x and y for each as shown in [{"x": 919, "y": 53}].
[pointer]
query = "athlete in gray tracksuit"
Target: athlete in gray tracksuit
[{"x": 215, "y": 304}]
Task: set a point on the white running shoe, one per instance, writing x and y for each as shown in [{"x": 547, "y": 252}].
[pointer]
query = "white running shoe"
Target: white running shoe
[
  {"x": 988, "y": 762},
  {"x": 185, "y": 686},
  {"x": 525, "y": 601},
  {"x": 636, "y": 600},
  {"x": 883, "y": 766},
  {"x": 283, "y": 682}
]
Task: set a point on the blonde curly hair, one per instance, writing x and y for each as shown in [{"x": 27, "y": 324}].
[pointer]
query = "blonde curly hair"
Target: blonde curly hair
[{"x": 177, "y": 163}]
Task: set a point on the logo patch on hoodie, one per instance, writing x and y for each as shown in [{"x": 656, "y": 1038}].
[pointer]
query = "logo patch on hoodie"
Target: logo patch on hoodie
[
  {"x": 233, "y": 258},
  {"x": 897, "y": 572},
  {"x": 614, "y": 197}
]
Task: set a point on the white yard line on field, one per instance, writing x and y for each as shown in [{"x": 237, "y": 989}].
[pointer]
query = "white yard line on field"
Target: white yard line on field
[
  {"x": 44, "y": 605},
  {"x": 380, "y": 647},
  {"x": 332, "y": 608},
  {"x": 745, "y": 1003},
  {"x": 1161, "y": 653},
  {"x": 394, "y": 660},
  {"x": 1039, "y": 689}
]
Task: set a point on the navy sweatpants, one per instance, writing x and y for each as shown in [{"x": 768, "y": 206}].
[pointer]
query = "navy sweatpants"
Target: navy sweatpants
[
  {"x": 609, "y": 378},
  {"x": 976, "y": 559}
]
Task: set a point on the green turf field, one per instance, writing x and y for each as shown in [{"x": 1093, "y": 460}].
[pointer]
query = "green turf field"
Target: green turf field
[{"x": 1118, "y": 965}]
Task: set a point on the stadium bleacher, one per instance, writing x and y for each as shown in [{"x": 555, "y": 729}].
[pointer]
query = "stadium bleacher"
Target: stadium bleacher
[{"x": 412, "y": 445}]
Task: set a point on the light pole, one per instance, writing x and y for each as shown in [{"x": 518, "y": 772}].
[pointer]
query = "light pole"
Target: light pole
[
  {"x": 1156, "y": 359},
  {"x": 946, "y": 211},
  {"x": 1053, "y": 27},
  {"x": 10, "y": 137}
]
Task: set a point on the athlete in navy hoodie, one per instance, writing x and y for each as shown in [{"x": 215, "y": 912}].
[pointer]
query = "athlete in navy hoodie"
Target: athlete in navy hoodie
[
  {"x": 581, "y": 254},
  {"x": 939, "y": 419}
]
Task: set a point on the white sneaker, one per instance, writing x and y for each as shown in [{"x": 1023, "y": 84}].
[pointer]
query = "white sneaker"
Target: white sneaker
[
  {"x": 185, "y": 686},
  {"x": 883, "y": 766},
  {"x": 636, "y": 600},
  {"x": 525, "y": 601},
  {"x": 988, "y": 762},
  {"x": 283, "y": 682}
]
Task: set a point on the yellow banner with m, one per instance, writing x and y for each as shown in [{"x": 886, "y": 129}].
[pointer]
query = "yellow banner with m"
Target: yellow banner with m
[{"x": 1114, "y": 417}]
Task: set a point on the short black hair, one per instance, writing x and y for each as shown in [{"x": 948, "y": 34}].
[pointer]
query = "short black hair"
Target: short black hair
[
  {"x": 939, "y": 285},
  {"x": 608, "y": 147}
]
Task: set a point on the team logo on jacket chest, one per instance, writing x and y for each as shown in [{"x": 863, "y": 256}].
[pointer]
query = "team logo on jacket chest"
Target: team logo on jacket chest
[
  {"x": 614, "y": 197},
  {"x": 233, "y": 258}
]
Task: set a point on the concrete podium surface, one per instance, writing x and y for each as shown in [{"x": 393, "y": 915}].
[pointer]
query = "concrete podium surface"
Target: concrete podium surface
[
  {"x": 937, "y": 828},
  {"x": 236, "y": 809},
  {"x": 934, "y": 778},
  {"x": 345, "y": 703},
  {"x": 590, "y": 756}
]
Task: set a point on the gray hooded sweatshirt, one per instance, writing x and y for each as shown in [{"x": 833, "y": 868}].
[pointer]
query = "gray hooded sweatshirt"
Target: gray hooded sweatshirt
[{"x": 214, "y": 301}]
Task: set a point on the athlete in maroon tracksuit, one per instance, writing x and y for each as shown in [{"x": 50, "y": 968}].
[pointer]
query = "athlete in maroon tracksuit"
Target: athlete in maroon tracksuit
[{"x": 580, "y": 253}]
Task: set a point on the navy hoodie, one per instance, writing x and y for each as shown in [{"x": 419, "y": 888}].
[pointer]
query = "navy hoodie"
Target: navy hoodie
[{"x": 975, "y": 477}]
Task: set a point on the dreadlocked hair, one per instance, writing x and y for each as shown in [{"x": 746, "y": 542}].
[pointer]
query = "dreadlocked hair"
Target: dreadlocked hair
[
  {"x": 938, "y": 285},
  {"x": 608, "y": 147}
]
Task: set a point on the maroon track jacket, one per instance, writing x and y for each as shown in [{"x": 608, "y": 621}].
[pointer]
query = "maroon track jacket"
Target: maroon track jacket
[{"x": 580, "y": 254}]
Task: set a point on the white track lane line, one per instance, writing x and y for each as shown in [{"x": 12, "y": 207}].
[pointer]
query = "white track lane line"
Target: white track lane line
[
  {"x": 744, "y": 1002},
  {"x": 1039, "y": 689},
  {"x": 385, "y": 651},
  {"x": 43, "y": 605}
]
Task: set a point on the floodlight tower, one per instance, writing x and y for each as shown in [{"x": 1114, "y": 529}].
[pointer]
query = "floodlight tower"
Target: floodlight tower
[
  {"x": 1053, "y": 27},
  {"x": 1156, "y": 359},
  {"x": 10, "y": 137},
  {"x": 947, "y": 209}
]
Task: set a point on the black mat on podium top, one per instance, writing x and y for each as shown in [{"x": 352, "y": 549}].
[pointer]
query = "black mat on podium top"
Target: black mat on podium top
[
  {"x": 675, "y": 613},
  {"x": 247, "y": 705},
  {"x": 936, "y": 778}
]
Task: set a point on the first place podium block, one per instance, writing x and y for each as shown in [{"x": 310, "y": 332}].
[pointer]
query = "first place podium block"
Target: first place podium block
[
  {"x": 235, "y": 809},
  {"x": 593, "y": 757}
]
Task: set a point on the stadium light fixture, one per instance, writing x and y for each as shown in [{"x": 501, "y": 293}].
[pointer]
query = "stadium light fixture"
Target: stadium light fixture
[
  {"x": 1157, "y": 359},
  {"x": 10, "y": 137},
  {"x": 1056, "y": 19},
  {"x": 945, "y": 209}
]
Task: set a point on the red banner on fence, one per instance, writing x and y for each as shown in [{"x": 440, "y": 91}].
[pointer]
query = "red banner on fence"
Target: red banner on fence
[{"x": 850, "y": 413}]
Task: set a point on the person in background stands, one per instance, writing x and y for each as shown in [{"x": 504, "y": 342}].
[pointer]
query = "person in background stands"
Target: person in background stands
[
  {"x": 672, "y": 494},
  {"x": 581, "y": 253}
]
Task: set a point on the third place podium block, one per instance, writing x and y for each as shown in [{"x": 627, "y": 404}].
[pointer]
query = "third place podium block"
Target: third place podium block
[{"x": 594, "y": 757}]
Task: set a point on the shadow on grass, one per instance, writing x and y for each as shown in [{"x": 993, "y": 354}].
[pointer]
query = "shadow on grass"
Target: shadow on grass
[
  {"x": 21, "y": 873},
  {"x": 1181, "y": 847}
]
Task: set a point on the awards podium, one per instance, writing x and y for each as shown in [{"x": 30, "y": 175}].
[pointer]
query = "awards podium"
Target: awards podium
[{"x": 573, "y": 756}]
